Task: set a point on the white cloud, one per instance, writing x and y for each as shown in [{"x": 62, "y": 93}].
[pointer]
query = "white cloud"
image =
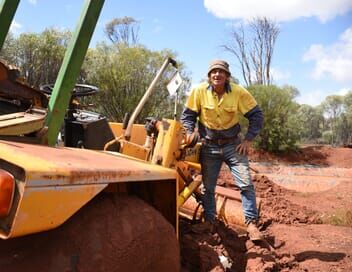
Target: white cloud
[
  {"x": 333, "y": 61},
  {"x": 33, "y": 2},
  {"x": 15, "y": 27},
  {"x": 278, "y": 10}
]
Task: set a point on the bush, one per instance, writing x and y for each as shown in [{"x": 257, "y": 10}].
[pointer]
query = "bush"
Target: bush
[{"x": 281, "y": 127}]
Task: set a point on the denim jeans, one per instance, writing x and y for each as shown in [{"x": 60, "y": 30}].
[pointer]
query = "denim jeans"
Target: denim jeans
[{"x": 211, "y": 157}]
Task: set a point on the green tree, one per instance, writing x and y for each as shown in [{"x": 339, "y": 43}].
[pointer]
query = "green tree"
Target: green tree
[
  {"x": 346, "y": 120},
  {"x": 281, "y": 127},
  {"x": 333, "y": 108},
  {"x": 9, "y": 49},
  {"x": 311, "y": 121},
  {"x": 38, "y": 56},
  {"x": 123, "y": 74}
]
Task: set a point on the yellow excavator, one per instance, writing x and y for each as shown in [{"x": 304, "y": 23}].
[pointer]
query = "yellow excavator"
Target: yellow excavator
[{"x": 105, "y": 196}]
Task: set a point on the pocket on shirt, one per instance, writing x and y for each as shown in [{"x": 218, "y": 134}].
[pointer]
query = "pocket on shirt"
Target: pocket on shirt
[
  {"x": 209, "y": 113},
  {"x": 230, "y": 114}
]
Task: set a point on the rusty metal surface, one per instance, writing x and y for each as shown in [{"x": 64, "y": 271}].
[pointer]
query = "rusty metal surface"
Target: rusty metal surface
[
  {"x": 51, "y": 166},
  {"x": 21, "y": 122},
  {"x": 12, "y": 88}
]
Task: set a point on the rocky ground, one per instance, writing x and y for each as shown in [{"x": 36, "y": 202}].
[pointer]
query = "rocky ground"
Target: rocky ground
[{"x": 303, "y": 231}]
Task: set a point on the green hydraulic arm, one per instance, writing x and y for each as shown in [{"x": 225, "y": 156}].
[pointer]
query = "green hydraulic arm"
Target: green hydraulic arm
[
  {"x": 70, "y": 69},
  {"x": 7, "y": 12}
]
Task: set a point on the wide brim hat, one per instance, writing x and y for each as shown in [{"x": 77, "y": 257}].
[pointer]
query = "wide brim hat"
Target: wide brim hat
[{"x": 219, "y": 64}]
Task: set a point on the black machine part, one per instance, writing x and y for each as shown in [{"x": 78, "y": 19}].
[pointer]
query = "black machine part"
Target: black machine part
[
  {"x": 89, "y": 130},
  {"x": 79, "y": 90}
]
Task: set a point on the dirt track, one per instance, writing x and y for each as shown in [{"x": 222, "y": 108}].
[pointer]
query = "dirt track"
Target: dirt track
[{"x": 298, "y": 227}]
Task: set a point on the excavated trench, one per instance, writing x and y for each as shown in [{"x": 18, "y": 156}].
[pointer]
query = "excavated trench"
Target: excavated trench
[{"x": 303, "y": 178}]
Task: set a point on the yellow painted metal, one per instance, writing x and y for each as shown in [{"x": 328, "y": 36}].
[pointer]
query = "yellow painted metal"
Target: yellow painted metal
[
  {"x": 194, "y": 165},
  {"x": 168, "y": 143},
  {"x": 192, "y": 154},
  {"x": 188, "y": 191},
  {"x": 45, "y": 208},
  {"x": 48, "y": 166},
  {"x": 53, "y": 183},
  {"x": 138, "y": 132},
  {"x": 134, "y": 150},
  {"x": 21, "y": 123}
]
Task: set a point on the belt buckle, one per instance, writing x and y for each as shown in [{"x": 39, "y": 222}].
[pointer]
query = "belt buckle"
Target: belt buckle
[{"x": 221, "y": 141}]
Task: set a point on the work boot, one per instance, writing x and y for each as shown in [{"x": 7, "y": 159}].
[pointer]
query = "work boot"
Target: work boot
[
  {"x": 204, "y": 227},
  {"x": 253, "y": 232}
]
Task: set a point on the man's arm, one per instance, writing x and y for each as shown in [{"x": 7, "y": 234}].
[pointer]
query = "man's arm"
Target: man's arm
[
  {"x": 189, "y": 119},
  {"x": 256, "y": 119}
]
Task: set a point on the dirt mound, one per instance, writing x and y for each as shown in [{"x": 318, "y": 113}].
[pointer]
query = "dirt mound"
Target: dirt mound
[
  {"x": 321, "y": 155},
  {"x": 295, "y": 239},
  {"x": 277, "y": 208},
  {"x": 204, "y": 251}
]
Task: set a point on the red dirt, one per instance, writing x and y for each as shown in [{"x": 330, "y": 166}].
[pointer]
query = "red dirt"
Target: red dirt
[
  {"x": 298, "y": 229},
  {"x": 303, "y": 231},
  {"x": 321, "y": 155}
]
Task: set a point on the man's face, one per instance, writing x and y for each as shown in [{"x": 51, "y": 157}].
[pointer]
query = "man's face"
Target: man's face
[{"x": 218, "y": 78}]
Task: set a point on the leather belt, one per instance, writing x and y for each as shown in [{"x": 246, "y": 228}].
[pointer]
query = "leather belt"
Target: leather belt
[{"x": 221, "y": 141}]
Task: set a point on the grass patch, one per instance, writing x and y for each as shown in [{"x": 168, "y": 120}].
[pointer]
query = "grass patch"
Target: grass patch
[{"x": 339, "y": 218}]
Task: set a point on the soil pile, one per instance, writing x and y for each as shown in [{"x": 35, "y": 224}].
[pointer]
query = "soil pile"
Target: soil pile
[
  {"x": 295, "y": 238},
  {"x": 275, "y": 206},
  {"x": 321, "y": 155}
]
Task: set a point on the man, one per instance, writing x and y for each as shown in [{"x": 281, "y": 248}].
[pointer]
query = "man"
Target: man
[{"x": 217, "y": 104}]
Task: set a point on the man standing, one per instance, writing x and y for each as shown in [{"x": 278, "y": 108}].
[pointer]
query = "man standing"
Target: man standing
[{"x": 217, "y": 104}]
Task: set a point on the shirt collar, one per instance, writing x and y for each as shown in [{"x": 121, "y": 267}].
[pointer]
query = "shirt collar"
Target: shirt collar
[{"x": 227, "y": 87}]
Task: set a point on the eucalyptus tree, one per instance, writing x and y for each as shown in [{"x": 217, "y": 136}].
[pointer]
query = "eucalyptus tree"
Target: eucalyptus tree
[
  {"x": 124, "y": 73},
  {"x": 281, "y": 126},
  {"x": 346, "y": 120},
  {"x": 123, "y": 30},
  {"x": 333, "y": 108},
  {"x": 253, "y": 47},
  {"x": 311, "y": 122},
  {"x": 37, "y": 55}
]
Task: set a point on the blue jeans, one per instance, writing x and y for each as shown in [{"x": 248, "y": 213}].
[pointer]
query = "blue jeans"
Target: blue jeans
[{"x": 211, "y": 158}]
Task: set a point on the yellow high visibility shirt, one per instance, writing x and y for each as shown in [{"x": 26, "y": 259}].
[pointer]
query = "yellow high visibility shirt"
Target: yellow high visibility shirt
[{"x": 220, "y": 114}]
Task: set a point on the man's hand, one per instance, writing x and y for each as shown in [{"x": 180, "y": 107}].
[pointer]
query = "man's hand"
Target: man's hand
[
  {"x": 190, "y": 140},
  {"x": 244, "y": 147}
]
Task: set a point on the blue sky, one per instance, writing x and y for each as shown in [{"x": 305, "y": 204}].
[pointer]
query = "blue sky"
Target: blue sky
[{"x": 313, "y": 51}]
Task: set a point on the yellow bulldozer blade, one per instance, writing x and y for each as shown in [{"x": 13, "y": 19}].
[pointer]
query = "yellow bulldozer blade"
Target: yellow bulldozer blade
[{"x": 54, "y": 183}]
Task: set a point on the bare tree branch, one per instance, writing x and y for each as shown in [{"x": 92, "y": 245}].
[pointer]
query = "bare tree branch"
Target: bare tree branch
[
  {"x": 254, "y": 50},
  {"x": 122, "y": 30}
]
